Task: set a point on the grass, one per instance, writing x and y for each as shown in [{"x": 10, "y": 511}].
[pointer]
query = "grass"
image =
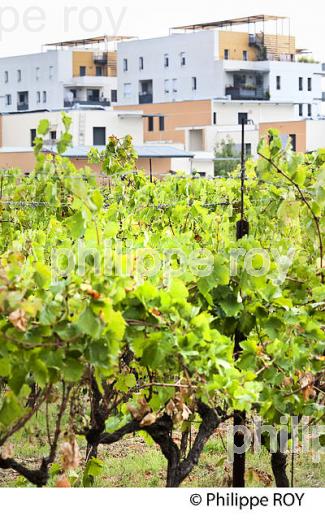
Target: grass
[{"x": 134, "y": 463}]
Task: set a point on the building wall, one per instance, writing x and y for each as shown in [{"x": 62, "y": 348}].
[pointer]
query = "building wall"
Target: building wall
[
  {"x": 177, "y": 116},
  {"x": 315, "y": 135},
  {"x": 21, "y": 160},
  {"x": 86, "y": 59},
  {"x": 286, "y": 128},
  {"x": 200, "y": 50},
  {"x": 16, "y": 127},
  {"x": 236, "y": 43},
  {"x": 53, "y": 86}
]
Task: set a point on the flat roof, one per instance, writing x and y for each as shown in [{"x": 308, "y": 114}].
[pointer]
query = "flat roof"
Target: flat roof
[
  {"x": 143, "y": 151},
  {"x": 233, "y": 21},
  {"x": 89, "y": 41}
]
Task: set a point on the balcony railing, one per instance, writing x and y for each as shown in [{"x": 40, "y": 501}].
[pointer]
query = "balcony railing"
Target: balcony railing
[
  {"x": 100, "y": 103},
  {"x": 100, "y": 58},
  {"x": 243, "y": 93},
  {"x": 145, "y": 98},
  {"x": 22, "y": 106}
]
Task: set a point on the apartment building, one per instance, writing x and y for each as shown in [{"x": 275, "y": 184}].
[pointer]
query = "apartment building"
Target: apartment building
[
  {"x": 91, "y": 127},
  {"x": 80, "y": 72},
  {"x": 210, "y": 61},
  {"x": 193, "y": 83}
]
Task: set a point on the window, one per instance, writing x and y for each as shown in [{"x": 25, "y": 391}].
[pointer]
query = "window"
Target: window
[
  {"x": 8, "y": 99},
  {"x": 161, "y": 123},
  {"x": 141, "y": 63},
  {"x": 99, "y": 135},
  {"x": 6, "y": 76},
  {"x": 278, "y": 82},
  {"x": 214, "y": 118},
  {"x": 293, "y": 139},
  {"x": 245, "y": 55},
  {"x": 248, "y": 149},
  {"x": 309, "y": 110},
  {"x": 301, "y": 109},
  {"x": 194, "y": 83},
  {"x": 38, "y": 97},
  {"x": 301, "y": 83},
  {"x": 99, "y": 70},
  {"x": 125, "y": 65},
  {"x": 226, "y": 54},
  {"x": 18, "y": 75},
  {"x": 166, "y": 60},
  {"x": 127, "y": 90},
  {"x": 37, "y": 73},
  {"x": 166, "y": 83},
  {"x": 82, "y": 70},
  {"x": 150, "y": 124},
  {"x": 114, "y": 96},
  {"x": 51, "y": 71},
  {"x": 310, "y": 84},
  {"x": 175, "y": 85},
  {"x": 183, "y": 59},
  {"x": 44, "y": 96},
  {"x": 53, "y": 135},
  {"x": 32, "y": 136}
]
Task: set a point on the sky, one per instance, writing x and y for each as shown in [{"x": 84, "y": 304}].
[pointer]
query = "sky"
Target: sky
[{"x": 27, "y": 24}]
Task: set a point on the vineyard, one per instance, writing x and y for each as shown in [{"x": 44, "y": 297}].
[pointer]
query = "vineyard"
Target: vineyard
[{"x": 162, "y": 312}]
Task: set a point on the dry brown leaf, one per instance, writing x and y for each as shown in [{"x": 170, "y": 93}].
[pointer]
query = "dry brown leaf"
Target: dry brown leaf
[
  {"x": 18, "y": 319},
  {"x": 7, "y": 451},
  {"x": 139, "y": 410},
  {"x": 62, "y": 482},
  {"x": 70, "y": 454},
  {"x": 148, "y": 420}
]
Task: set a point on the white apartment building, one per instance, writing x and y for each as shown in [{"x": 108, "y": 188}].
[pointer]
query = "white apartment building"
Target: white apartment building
[
  {"x": 208, "y": 61},
  {"x": 90, "y": 127},
  {"x": 67, "y": 73}
]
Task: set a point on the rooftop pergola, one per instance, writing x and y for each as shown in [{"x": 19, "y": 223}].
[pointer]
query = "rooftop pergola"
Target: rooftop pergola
[
  {"x": 260, "y": 18},
  {"x": 96, "y": 40}
]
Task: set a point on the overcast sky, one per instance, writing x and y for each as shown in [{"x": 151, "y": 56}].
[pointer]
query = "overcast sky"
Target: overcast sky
[{"x": 27, "y": 24}]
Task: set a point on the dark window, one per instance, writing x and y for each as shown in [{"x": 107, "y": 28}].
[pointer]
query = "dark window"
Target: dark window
[
  {"x": 150, "y": 124},
  {"x": 99, "y": 71},
  {"x": 226, "y": 54},
  {"x": 214, "y": 118},
  {"x": 194, "y": 83},
  {"x": 82, "y": 70},
  {"x": 125, "y": 65},
  {"x": 245, "y": 55},
  {"x": 309, "y": 110},
  {"x": 161, "y": 123},
  {"x": 301, "y": 83},
  {"x": 183, "y": 59},
  {"x": 166, "y": 60},
  {"x": 141, "y": 63},
  {"x": 310, "y": 84},
  {"x": 32, "y": 136},
  {"x": 53, "y": 135},
  {"x": 114, "y": 96},
  {"x": 301, "y": 109},
  {"x": 278, "y": 82},
  {"x": 99, "y": 135},
  {"x": 293, "y": 139},
  {"x": 248, "y": 149}
]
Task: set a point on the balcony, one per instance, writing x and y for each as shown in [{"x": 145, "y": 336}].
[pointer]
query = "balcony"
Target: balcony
[
  {"x": 90, "y": 102},
  {"x": 145, "y": 98},
  {"x": 22, "y": 106},
  {"x": 244, "y": 93},
  {"x": 100, "y": 58}
]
